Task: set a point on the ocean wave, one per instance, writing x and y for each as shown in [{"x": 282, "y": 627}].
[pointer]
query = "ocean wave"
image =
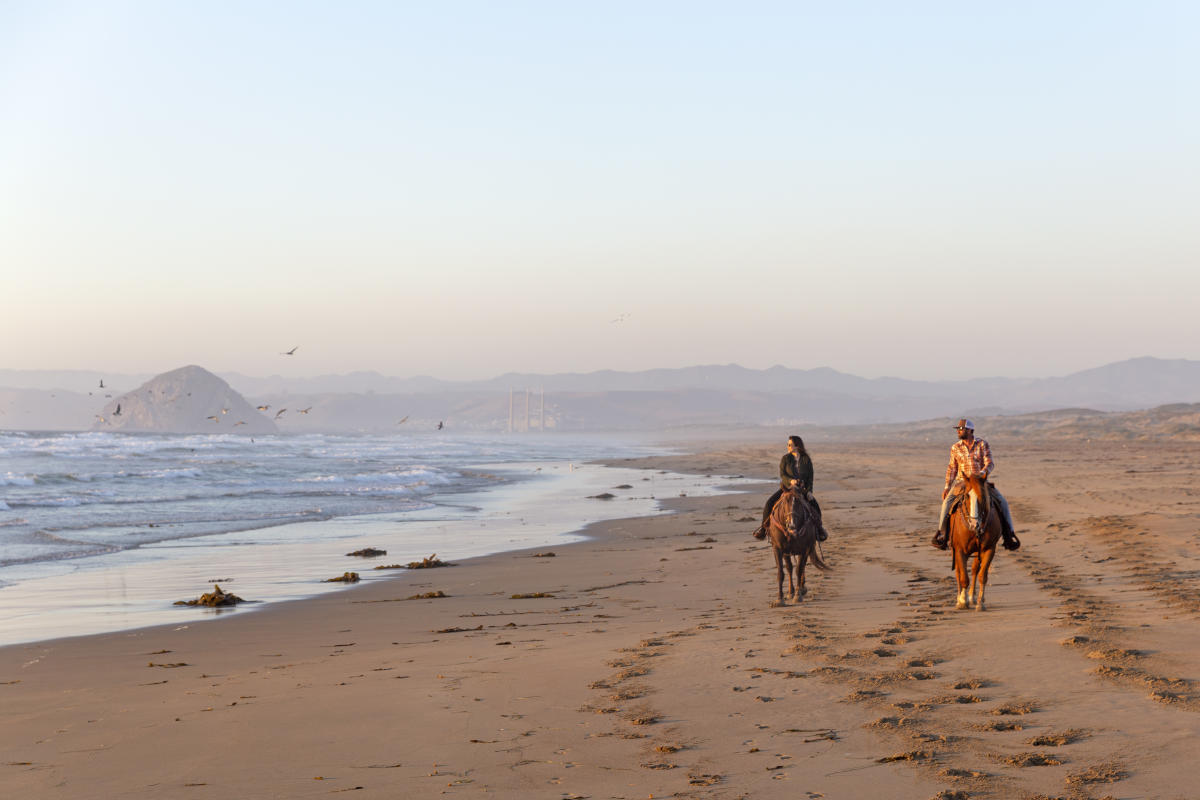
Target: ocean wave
[
  {"x": 9, "y": 479},
  {"x": 409, "y": 477}
]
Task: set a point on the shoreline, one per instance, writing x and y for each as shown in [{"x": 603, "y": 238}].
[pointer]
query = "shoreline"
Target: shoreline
[
  {"x": 653, "y": 663},
  {"x": 285, "y": 563}
]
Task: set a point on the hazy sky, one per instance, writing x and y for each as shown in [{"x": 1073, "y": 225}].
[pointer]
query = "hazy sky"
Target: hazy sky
[{"x": 930, "y": 190}]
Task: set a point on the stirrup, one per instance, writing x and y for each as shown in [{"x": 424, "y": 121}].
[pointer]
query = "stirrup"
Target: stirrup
[
  {"x": 760, "y": 533},
  {"x": 939, "y": 543}
]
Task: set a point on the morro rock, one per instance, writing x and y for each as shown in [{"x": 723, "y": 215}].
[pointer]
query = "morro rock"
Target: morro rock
[{"x": 186, "y": 400}]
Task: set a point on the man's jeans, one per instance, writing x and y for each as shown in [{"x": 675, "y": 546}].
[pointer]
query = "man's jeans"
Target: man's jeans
[{"x": 955, "y": 488}]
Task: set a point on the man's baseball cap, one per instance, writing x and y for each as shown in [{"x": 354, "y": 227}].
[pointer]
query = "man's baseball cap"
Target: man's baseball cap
[{"x": 965, "y": 423}]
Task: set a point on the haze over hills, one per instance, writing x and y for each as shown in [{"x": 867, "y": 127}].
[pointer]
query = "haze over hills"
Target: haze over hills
[{"x": 646, "y": 400}]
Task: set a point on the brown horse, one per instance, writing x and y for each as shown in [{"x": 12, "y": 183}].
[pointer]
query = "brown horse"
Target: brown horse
[
  {"x": 794, "y": 524},
  {"x": 974, "y": 528}
]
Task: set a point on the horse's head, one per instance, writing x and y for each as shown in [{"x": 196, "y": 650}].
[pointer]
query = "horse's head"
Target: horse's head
[
  {"x": 976, "y": 502},
  {"x": 796, "y": 511}
]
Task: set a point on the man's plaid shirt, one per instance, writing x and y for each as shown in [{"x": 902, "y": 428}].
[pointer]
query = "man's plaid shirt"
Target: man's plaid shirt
[{"x": 973, "y": 459}]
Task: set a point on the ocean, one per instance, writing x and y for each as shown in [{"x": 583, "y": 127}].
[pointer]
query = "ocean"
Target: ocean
[{"x": 103, "y": 531}]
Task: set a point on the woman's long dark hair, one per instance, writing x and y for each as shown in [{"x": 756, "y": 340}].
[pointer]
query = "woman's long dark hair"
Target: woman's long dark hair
[{"x": 796, "y": 440}]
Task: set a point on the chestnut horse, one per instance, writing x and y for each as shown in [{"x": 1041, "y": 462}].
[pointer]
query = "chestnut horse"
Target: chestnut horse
[
  {"x": 974, "y": 529},
  {"x": 794, "y": 523}
]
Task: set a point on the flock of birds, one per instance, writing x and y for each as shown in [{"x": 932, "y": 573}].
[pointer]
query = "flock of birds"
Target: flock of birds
[{"x": 217, "y": 418}]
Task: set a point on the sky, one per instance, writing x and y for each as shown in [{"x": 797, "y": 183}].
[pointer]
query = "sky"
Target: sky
[{"x": 459, "y": 189}]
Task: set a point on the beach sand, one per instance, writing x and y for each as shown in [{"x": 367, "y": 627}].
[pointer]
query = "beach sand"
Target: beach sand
[{"x": 656, "y": 667}]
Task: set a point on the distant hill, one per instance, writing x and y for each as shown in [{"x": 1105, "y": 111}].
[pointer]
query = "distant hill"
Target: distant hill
[
  {"x": 1177, "y": 421},
  {"x": 609, "y": 400},
  {"x": 186, "y": 400}
]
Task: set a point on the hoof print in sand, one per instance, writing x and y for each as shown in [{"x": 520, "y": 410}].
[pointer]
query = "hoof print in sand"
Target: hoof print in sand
[
  {"x": 1058, "y": 739},
  {"x": 1108, "y": 772},
  {"x": 911, "y": 755},
  {"x": 1032, "y": 760}
]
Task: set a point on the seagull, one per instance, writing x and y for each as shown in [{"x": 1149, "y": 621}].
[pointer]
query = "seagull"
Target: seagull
[
  {"x": 291, "y": 352},
  {"x": 441, "y": 425},
  {"x": 117, "y": 413},
  {"x": 100, "y": 418},
  {"x": 102, "y": 383},
  {"x": 306, "y": 410},
  {"x": 263, "y": 408},
  {"x": 214, "y": 418},
  {"x": 401, "y": 422},
  {"x": 224, "y": 410},
  {"x": 280, "y": 413},
  {"x": 243, "y": 422}
]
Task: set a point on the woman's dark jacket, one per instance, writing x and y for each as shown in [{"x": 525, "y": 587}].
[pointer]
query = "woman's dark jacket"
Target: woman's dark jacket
[{"x": 789, "y": 471}]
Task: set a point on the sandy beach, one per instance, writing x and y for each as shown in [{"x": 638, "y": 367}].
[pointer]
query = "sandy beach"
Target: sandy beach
[{"x": 652, "y": 665}]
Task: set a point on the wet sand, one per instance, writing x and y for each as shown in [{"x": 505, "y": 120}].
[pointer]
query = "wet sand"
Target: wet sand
[{"x": 654, "y": 664}]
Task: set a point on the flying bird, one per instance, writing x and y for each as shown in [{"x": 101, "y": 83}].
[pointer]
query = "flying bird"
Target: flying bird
[
  {"x": 440, "y": 425},
  {"x": 291, "y": 352},
  {"x": 224, "y": 410},
  {"x": 401, "y": 422},
  {"x": 306, "y": 410},
  {"x": 621, "y": 317},
  {"x": 280, "y": 413},
  {"x": 117, "y": 413},
  {"x": 214, "y": 418},
  {"x": 263, "y": 408},
  {"x": 100, "y": 418},
  {"x": 102, "y": 383},
  {"x": 241, "y": 422}
]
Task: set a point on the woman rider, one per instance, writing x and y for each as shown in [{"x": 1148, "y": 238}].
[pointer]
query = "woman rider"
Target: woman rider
[{"x": 795, "y": 470}]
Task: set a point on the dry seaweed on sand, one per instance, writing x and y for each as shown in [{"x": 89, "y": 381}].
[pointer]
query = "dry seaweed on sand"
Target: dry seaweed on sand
[
  {"x": 530, "y": 595},
  {"x": 547, "y": 554},
  {"x": 213, "y": 599},
  {"x": 346, "y": 577},
  {"x": 428, "y": 563},
  {"x": 368, "y": 552},
  {"x": 427, "y": 595}
]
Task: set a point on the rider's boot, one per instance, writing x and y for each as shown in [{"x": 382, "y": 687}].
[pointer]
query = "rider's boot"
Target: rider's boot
[
  {"x": 941, "y": 539},
  {"x": 1011, "y": 542},
  {"x": 761, "y": 532}
]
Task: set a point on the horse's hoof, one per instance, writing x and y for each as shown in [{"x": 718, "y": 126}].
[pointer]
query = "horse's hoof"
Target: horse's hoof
[
  {"x": 804, "y": 591},
  {"x": 960, "y": 605},
  {"x": 980, "y": 607},
  {"x": 777, "y": 603}
]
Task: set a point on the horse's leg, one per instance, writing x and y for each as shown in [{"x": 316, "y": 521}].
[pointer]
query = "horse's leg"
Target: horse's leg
[
  {"x": 779, "y": 572},
  {"x": 791, "y": 571},
  {"x": 801, "y": 563},
  {"x": 960, "y": 573},
  {"x": 983, "y": 564}
]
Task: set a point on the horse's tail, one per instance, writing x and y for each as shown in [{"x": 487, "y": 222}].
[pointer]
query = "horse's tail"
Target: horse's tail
[{"x": 814, "y": 555}]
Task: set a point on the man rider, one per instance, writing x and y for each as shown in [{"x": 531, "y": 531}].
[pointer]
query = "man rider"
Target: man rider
[
  {"x": 970, "y": 456},
  {"x": 795, "y": 470}
]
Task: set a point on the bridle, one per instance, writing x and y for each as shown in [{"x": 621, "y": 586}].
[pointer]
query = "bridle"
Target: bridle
[{"x": 977, "y": 522}]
